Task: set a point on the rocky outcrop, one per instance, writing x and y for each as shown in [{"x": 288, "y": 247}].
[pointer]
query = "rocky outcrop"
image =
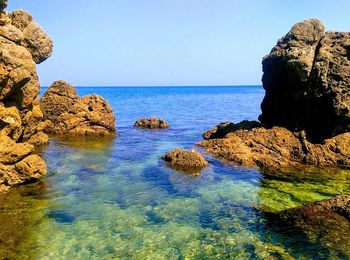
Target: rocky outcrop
[
  {"x": 325, "y": 223},
  {"x": 190, "y": 162},
  {"x": 69, "y": 114},
  {"x": 152, "y": 123},
  {"x": 306, "y": 110},
  {"x": 307, "y": 82},
  {"x": 278, "y": 150},
  {"x": 22, "y": 45}
]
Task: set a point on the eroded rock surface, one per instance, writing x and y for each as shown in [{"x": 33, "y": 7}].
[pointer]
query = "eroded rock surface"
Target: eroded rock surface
[
  {"x": 307, "y": 82},
  {"x": 190, "y": 162},
  {"x": 71, "y": 115},
  {"x": 152, "y": 123},
  {"x": 18, "y": 164},
  {"x": 279, "y": 149},
  {"x": 22, "y": 45}
]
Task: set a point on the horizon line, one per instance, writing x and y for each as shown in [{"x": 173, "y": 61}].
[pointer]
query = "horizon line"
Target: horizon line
[{"x": 157, "y": 86}]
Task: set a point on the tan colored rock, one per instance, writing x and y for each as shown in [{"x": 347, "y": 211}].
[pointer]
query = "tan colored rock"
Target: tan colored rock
[
  {"x": 10, "y": 122},
  {"x": 152, "y": 123},
  {"x": 190, "y": 162},
  {"x": 22, "y": 44},
  {"x": 278, "y": 150},
  {"x": 71, "y": 115},
  {"x": 18, "y": 165},
  {"x": 35, "y": 39}
]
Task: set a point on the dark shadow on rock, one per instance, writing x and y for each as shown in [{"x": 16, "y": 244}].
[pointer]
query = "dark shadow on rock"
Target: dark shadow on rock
[{"x": 223, "y": 129}]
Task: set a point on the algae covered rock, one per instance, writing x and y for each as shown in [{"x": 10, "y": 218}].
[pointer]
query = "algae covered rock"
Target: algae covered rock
[
  {"x": 307, "y": 83},
  {"x": 152, "y": 123},
  {"x": 71, "y": 115},
  {"x": 191, "y": 162},
  {"x": 325, "y": 223}
]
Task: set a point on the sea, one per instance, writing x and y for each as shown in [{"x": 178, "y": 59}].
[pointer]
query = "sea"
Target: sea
[{"x": 114, "y": 198}]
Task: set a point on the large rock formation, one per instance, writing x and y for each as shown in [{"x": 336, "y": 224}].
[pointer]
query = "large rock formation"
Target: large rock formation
[
  {"x": 71, "y": 115},
  {"x": 307, "y": 82},
  {"x": 22, "y": 45},
  {"x": 306, "y": 110}
]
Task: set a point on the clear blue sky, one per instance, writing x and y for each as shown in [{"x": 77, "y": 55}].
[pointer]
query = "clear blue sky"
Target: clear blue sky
[{"x": 169, "y": 42}]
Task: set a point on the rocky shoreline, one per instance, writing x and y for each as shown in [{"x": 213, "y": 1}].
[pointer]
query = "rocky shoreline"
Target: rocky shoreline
[
  {"x": 305, "y": 120},
  {"x": 23, "y": 125}
]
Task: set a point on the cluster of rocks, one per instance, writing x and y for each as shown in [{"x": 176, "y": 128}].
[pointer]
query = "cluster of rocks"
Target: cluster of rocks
[
  {"x": 68, "y": 114},
  {"x": 306, "y": 110},
  {"x": 23, "y": 44},
  {"x": 23, "y": 125}
]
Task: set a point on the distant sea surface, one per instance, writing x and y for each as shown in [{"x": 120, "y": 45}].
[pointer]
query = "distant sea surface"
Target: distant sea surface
[{"x": 115, "y": 199}]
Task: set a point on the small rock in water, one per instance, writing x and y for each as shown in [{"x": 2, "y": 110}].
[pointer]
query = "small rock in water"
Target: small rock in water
[
  {"x": 152, "y": 123},
  {"x": 71, "y": 115},
  {"x": 190, "y": 162}
]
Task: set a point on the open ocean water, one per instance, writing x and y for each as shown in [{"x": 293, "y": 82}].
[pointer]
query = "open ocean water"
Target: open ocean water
[{"x": 115, "y": 199}]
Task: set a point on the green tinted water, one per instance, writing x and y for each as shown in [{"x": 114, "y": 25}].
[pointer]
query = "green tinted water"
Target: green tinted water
[{"x": 115, "y": 199}]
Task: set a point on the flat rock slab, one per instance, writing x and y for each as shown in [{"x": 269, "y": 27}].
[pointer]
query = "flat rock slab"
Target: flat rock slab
[{"x": 279, "y": 150}]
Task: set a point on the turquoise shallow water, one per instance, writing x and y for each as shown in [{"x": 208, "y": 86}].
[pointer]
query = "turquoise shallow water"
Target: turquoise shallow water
[{"x": 115, "y": 199}]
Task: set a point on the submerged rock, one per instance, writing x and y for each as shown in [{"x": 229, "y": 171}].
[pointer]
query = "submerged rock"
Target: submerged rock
[
  {"x": 191, "y": 162},
  {"x": 307, "y": 83},
  {"x": 326, "y": 223},
  {"x": 71, "y": 115},
  {"x": 278, "y": 149},
  {"x": 152, "y": 123},
  {"x": 22, "y": 45}
]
